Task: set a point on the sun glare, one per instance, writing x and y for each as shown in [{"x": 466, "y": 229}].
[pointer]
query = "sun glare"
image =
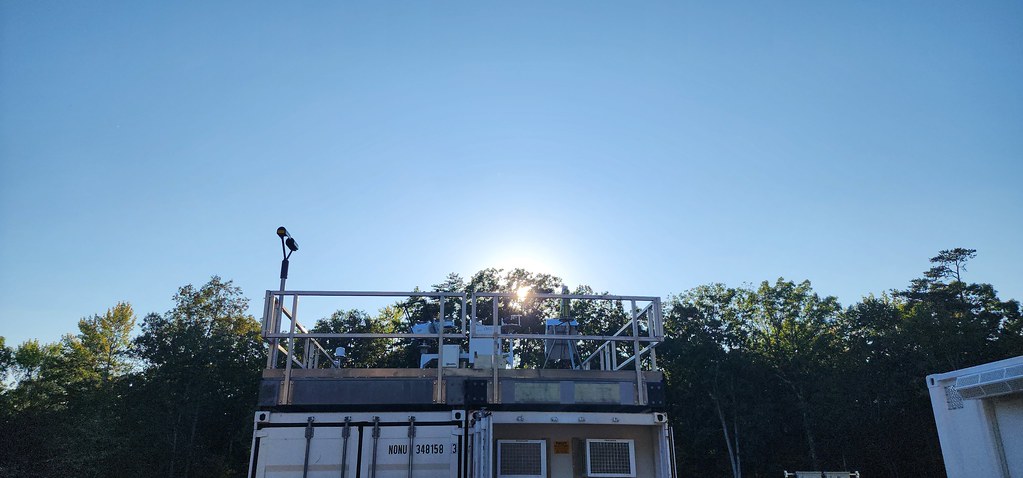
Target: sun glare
[{"x": 523, "y": 292}]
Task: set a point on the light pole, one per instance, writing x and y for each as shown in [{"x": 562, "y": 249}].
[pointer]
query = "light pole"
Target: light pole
[
  {"x": 287, "y": 247},
  {"x": 292, "y": 246}
]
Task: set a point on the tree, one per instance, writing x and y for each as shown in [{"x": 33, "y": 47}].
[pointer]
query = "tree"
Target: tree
[
  {"x": 939, "y": 323},
  {"x": 203, "y": 360},
  {"x": 106, "y": 339},
  {"x": 37, "y": 409},
  {"x": 887, "y": 410},
  {"x": 958, "y": 324},
  {"x": 792, "y": 331},
  {"x": 361, "y": 352},
  {"x": 6, "y": 362},
  {"x": 452, "y": 283},
  {"x": 759, "y": 378},
  {"x": 706, "y": 373},
  {"x": 751, "y": 373},
  {"x": 951, "y": 263},
  {"x": 82, "y": 411}
]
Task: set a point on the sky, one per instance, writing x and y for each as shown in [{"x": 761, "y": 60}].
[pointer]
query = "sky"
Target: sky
[{"x": 637, "y": 147}]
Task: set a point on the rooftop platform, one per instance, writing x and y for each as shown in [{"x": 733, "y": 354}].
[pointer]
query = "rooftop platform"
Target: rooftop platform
[{"x": 480, "y": 366}]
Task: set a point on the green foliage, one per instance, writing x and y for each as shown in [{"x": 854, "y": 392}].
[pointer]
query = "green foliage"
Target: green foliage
[
  {"x": 962, "y": 324},
  {"x": 789, "y": 379},
  {"x": 32, "y": 360},
  {"x": 6, "y": 362},
  {"x": 33, "y": 368},
  {"x": 760, "y": 379},
  {"x": 883, "y": 389},
  {"x": 203, "y": 360},
  {"x": 67, "y": 394},
  {"x": 950, "y": 263},
  {"x": 105, "y": 340},
  {"x": 376, "y": 353},
  {"x": 708, "y": 372},
  {"x": 746, "y": 354}
]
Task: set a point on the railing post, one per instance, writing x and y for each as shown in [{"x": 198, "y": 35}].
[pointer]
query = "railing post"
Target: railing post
[
  {"x": 285, "y": 398},
  {"x": 462, "y": 313},
  {"x": 440, "y": 358},
  {"x": 275, "y": 320},
  {"x": 640, "y": 399},
  {"x": 493, "y": 359},
  {"x": 654, "y": 330},
  {"x": 267, "y": 323},
  {"x": 307, "y": 358}
]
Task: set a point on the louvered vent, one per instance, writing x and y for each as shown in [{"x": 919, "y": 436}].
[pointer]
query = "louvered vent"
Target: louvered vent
[
  {"x": 988, "y": 384},
  {"x": 521, "y": 459},
  {"x": 952, "y": 398},
  {"x": 610, "y": 458}
]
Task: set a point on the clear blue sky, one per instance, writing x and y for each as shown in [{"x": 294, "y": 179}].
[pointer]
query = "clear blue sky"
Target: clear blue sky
[{"x": 638, "y": 147}]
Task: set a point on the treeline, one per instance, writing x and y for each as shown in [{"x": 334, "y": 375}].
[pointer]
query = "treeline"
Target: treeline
[
  {"x": 776, "y": 377},
  {"x": 760, "y": 379},
  {"x": 176, "y": 400}
]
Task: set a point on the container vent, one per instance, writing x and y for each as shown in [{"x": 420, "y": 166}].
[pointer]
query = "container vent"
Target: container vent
[
  {"x": 988, "y": 384},
  {"x": 522, "y": 458},
  {"x": 610, "y": 458},
  {"x": 952, "y": 398}
]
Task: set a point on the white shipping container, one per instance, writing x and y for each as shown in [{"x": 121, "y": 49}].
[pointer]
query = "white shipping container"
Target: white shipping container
[
  {"x": 979, "y": 415},
  {"x": 378, "y": 445}
]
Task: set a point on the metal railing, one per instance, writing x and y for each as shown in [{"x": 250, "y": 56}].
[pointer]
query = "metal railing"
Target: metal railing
[
  {"x": 642, "y": 329},
  {"x": 641, "y": 344},
  {"x": 274, "y": 311}
]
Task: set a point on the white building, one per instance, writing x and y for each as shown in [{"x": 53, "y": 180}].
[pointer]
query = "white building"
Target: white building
[{"x": 979, "y": 414}]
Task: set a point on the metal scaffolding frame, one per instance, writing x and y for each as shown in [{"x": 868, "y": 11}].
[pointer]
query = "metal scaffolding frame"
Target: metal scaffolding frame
[{"x": 643, "y": 329}]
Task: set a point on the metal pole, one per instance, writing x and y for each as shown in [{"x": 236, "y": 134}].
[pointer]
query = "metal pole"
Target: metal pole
[
  {"x": 462, "y": 315},
  {"x": 286, "y": 386},
  {"x": 307, "y": 352},
  {"x": 279, "y": 307},
  {"x": 640, "y": 398},
  {"x": 440, "y": 356},
  {"x": 488, "y": 449},
  {"x": 376, "y": 440},
  {"x": 674, "y": 470},
  {"x": 473, "y": 317},
  {"x": 614, "y": 357},
  {"x": 308, "y": 442},
  {"x": 270, "y": 319},
  {"x": 493, "y": 360},
  {"x": 411, "y": 442},
  {"x": 345, "y": 433},
  {"x": 655, "y": 330}
]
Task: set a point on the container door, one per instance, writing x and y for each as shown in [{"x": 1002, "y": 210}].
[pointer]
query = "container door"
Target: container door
[
  {"x": 1008, "y": 413},
  {"x": 409, "y": 449},
  {"x": 674, "y": 457},
  {"x": 282, "y": 452},
  {"x": 385, "y": 446},
  {"x": 480, "y": 453}
]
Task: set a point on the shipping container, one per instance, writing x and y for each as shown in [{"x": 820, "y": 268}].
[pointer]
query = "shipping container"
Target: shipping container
[
  {"x": 583, "y": 405},
  {"x": 979, "y": 415}
]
